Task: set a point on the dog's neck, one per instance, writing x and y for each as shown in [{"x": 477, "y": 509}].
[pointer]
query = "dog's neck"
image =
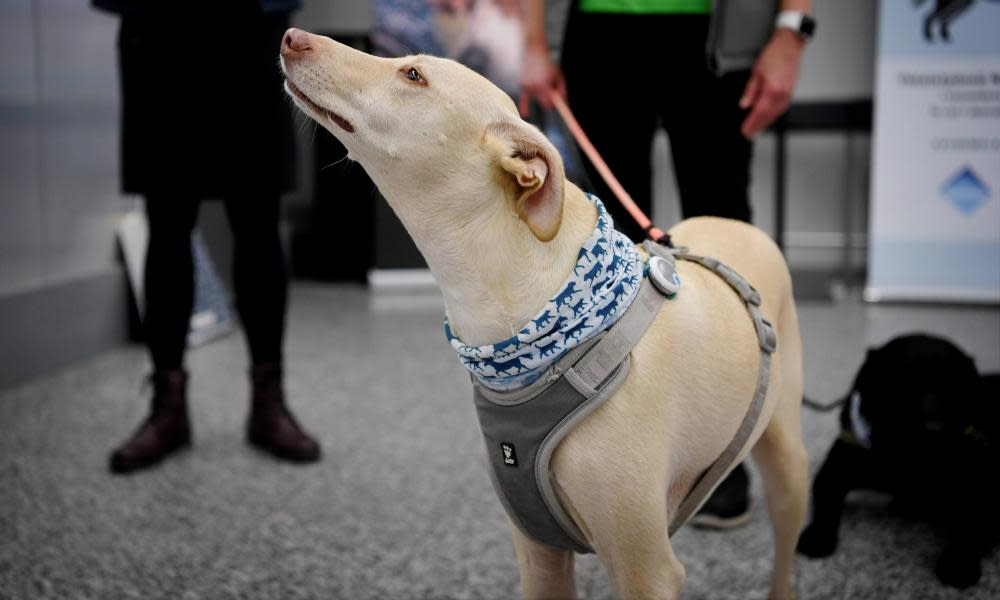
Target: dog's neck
[{"x": 487, "y": 261}]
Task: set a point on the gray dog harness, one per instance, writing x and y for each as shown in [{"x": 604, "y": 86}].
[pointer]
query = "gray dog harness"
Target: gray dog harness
[{"x": 523, "y": 427}]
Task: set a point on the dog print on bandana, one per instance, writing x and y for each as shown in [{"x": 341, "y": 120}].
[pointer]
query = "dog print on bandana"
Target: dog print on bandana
[{"x": 600, "y": 288}]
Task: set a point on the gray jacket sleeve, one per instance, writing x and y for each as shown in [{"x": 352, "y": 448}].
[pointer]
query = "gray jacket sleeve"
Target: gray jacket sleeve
[{"x": 738, "y": 32}]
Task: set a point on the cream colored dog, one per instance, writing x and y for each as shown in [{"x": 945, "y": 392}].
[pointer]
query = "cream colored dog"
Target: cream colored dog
[{"x": 484, "y": 197}]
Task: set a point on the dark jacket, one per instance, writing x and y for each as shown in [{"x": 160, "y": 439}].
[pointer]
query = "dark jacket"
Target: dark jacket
[{"x": 203, "y": 120}]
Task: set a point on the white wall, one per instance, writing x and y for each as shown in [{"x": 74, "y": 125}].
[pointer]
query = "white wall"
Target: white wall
[
  {"x": 58, "y": 143},
  {"x": 840, "y": 61}
]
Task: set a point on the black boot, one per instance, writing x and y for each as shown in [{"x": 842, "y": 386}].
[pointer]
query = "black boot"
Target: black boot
[
  {"x": 729, "y": 505},
  {"x": 271, "y": 426},
  {"x": 165, "y": 430}
]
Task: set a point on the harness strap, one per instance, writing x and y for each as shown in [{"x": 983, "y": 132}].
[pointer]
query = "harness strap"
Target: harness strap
[
  {"x": 594, "y": 368},
  {"x": 591, "y": 370},
  {"x": 707, "y": 482},
  {"x": 767, "y": 339},
  {"x": 521, "y": 435}
]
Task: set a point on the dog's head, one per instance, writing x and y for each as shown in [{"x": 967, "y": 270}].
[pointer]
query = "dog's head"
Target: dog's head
[
  {"x": 427, "y": 130},
  {"x": 913, "y": 392}
]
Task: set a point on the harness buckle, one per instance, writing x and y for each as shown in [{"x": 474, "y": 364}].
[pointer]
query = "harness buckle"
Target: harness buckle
[
  {"x": 767, "y": 337},
  {"x": 736, "y": 281}
]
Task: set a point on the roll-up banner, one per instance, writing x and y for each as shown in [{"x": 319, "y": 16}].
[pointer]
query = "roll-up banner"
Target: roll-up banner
[{"x": 935, "y": 211}]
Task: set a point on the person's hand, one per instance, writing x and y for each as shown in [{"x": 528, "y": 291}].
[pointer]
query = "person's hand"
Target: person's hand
[
  {"x": 769, "y": 90},
  {"x": 511, "y": 8},
  {"x": 540, "y": 77},
  {"x": 451, "y": 7}
]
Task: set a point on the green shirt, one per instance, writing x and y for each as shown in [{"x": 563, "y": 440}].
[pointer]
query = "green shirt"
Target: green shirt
[{"x": 646, "y": 7}]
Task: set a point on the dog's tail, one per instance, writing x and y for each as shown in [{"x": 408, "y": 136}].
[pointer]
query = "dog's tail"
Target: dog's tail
[{"x": 821, "y": 407}]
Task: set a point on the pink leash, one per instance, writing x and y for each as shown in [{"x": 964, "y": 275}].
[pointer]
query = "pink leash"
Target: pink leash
[{"x": 655, "y": 233}]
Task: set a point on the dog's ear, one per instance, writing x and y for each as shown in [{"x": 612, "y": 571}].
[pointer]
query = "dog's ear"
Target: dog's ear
[{"x": 534, "y": 173}]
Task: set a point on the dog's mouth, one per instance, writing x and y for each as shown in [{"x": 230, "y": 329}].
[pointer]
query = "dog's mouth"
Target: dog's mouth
[{"x": 339, "y": 120}]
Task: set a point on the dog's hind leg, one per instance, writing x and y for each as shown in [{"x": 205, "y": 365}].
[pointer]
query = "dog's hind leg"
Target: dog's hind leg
[
  {"x": 784, "y": 468},
  {"x": 781, "y": 458},
  {"x": 546, "y": 572}
]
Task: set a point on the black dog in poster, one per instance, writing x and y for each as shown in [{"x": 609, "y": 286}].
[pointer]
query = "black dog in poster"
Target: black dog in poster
[{"x": 944, "y": 12}]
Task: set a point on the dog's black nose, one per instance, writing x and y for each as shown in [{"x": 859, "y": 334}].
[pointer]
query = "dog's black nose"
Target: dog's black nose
[{"x": 295, "y": 40}]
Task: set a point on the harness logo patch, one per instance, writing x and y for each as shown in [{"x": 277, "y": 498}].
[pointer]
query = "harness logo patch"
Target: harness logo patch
[{"x": 509, "y": 454}]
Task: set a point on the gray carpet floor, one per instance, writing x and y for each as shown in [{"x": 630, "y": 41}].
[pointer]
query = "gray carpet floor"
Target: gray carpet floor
[{"x": 401, "y": 506}]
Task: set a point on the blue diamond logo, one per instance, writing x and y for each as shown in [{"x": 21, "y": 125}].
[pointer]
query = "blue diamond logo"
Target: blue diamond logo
[{"x": 965, "y": 191}]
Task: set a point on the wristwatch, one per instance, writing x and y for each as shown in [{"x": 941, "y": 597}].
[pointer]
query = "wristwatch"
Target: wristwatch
[{"x": 801, "y": 23}]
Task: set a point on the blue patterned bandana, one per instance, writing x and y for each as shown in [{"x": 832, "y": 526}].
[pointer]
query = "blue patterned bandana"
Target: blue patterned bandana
[{"x": 602, "y": 285}]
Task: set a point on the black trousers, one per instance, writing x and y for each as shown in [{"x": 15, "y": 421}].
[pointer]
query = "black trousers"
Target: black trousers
[
  {"x": 627, "y": 75},
  {"x": 259, "y": 275}
]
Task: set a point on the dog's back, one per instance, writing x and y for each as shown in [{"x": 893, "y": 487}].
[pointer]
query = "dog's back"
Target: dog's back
[{"x": 696, "y": 368}]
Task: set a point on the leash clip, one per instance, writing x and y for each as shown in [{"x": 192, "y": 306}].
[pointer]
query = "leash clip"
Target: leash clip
[{"x": 663, "y": 276}]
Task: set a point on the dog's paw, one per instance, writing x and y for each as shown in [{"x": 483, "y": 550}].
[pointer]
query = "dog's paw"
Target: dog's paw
[
  {"x": 958, "y": 570},
  {"x": 816, "y": 543}
]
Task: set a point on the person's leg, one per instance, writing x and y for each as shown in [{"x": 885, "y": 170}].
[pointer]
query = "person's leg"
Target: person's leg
[
  {"x": 711, "y": 161},
  {"x": 710, "y": 155},
  {"x": 169, "y": 294},
  {"x": 607, "y": 95},
  {"x": 261, "y": 280},
  {"x": 260, "y": 275},
  {"x": 712, "y": 167},
  {"x": 169, "y": 278}
]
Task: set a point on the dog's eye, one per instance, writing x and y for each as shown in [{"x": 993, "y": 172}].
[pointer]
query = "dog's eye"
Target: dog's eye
[{"x": 414, "y": 75}]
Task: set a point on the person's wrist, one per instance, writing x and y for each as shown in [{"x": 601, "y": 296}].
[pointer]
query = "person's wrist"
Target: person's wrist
[
  {"x": 789, "y": 37},
  {"x": 536, "y": 43},
  {"x": 799, "y": 22}
]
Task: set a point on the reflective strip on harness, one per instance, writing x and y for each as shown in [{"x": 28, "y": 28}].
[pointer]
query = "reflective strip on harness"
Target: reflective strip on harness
[
  {"x": 522, "y": 428},
  {"x": 767, "y": 339}
]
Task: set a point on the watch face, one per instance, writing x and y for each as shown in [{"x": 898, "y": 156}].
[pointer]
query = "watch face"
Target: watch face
[{"x": 808, "y": 26}]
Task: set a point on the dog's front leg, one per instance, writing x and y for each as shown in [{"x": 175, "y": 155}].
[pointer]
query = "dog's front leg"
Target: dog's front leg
[
  {"x": 546, "y": 572},
  {"x": 629, "y": 532},
  {"x": 847, "y": 467}
]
